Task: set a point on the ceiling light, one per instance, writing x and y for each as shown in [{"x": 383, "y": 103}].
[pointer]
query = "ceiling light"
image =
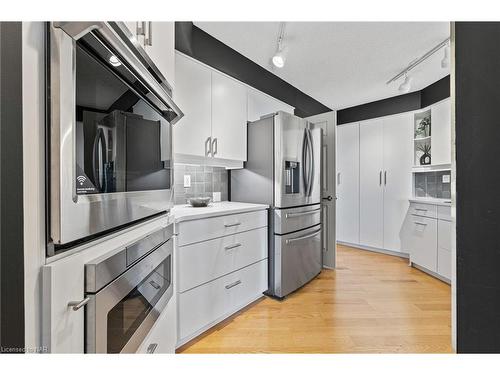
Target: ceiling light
[
  {"x": 279, "y": 59},
  {"x": 406, "y": 85},
  {"x": 113, "y": 60},
  {"x": 445, "y": 62}
]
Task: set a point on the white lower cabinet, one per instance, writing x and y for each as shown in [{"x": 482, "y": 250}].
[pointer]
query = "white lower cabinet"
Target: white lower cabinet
[
  {"x": 444, "y": 248},
  {"x": 423, "y": 240},
  {"x": 427, "y": 235},
  {"x": 221, "y": 267},
  {"x": 200, "y": 307},
  {"x": 162, "y": 337}
]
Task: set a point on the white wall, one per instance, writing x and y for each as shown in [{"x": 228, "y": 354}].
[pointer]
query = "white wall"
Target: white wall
[{"x": 34, "y": 192}]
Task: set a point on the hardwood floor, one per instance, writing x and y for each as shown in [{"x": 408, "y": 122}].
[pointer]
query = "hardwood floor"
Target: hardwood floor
[{"x": 372, "y": 303}]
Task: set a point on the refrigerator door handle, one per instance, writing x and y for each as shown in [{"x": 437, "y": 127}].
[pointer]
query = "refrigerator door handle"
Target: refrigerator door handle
[
  {"x": 311, "y": 161},
  {"x": 304, "y": 157}
]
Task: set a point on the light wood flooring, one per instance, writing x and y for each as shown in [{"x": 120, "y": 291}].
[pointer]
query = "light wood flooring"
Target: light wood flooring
[{"x": 372, "y": 303}]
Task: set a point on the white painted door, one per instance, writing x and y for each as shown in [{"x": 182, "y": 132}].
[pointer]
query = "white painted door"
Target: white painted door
[
  {"x": 260, "y": 104},
  {"x": 397, "y": 179},
  {"x": 347, "y": 179},
  {"x": 229, "y": 118},
  {"x": 371, "y": 191},
  {"x": 193, "y": 95},
  {"x": 441, "y": 132},
  {"x": 327, "y": 122},
  {"x": 161, "y": 47}
]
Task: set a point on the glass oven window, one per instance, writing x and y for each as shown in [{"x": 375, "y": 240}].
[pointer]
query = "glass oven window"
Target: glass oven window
[
  {"x": 126, "y": 316},
  {"x": 123, "y": 141}
]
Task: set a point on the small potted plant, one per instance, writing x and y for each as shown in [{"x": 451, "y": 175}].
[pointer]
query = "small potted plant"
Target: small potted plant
[
  {"x": 424, "y": 128},
  {"x": 425, "y": 159}
]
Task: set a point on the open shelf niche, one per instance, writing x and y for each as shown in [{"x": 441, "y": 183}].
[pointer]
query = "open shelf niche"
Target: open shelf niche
[{"x": 422, "y": 138}]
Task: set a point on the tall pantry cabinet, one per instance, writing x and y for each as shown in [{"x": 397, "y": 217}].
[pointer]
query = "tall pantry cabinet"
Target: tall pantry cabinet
[{"x": 379, "y": 202}]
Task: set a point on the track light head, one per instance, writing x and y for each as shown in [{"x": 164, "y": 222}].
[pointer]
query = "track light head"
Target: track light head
[
  {"x": 445, "y": 62},
  {"x": 406, "y": 85},
  {"x": 279, "y": 59}
]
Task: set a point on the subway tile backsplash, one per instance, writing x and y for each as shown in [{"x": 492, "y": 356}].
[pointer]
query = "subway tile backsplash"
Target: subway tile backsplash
[
  {"x": 431, "y": 185},
  {"x": 204, "y": 182}
]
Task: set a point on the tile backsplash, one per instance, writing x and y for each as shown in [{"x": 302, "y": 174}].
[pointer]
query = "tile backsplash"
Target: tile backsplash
[
  {"x": 433, "y": 185},
  {"x": 204, "y": 182}
]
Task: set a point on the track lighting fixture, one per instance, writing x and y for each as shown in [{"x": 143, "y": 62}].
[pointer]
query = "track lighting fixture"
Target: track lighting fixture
[
  {"x": 445, "y": 62},
  {"x": 406, "y": 85},
  {"x": 279, "y": 58}
]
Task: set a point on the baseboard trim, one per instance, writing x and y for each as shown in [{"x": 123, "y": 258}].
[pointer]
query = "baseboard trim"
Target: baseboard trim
[
  {"x": 375, "y": 250},
  {"x": 432, "y": 273}
]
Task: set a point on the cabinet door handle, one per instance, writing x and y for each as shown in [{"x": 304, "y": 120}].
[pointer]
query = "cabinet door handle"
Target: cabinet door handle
[
  {"x": 338, "y": 178},
  {"x": 151, "y": 348},
  {"x": 77, "y": 305},
  {"x": 380, "y": 178},
  {"x": 208, "y": 146},
  {"x": 232, "y": 285},
  {"x": 232, "y": 225},
  {"x": 149, "y": 40},
  {"x": 141, "y": 28},
  {"x": 229, "y": 247},
  {"x": 214, "y": 147},
  {"x": 385, "y": 178}
]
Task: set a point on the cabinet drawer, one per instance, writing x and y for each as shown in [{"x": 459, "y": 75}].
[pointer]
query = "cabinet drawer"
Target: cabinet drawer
[
  {"x": 422, "y": 209},
  {"x": 444, "y": 235},
  {"x": 444, "y": 213},
  {"x": 423, "y": 242},
  {"x": 162, "y": 337},
  {"x": 444, "y": 263},
  {"x": 202, "y": 306},
  {"x": 208, "y": 260},
  {"x": 206, "y": 229}
]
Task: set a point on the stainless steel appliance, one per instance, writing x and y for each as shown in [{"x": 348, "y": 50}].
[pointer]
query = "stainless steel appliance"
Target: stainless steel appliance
[
  {"x": 284, "y": 171},
  {"x": 126, "y": 293},
  {"x": 110, "y": 143}
]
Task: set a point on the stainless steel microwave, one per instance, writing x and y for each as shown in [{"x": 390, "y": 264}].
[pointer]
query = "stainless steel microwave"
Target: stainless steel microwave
[{"x": 110, "y": 138}]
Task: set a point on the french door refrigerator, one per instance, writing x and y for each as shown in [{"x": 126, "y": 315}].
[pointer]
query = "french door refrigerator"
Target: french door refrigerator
[{"x": 283, "y": 170}]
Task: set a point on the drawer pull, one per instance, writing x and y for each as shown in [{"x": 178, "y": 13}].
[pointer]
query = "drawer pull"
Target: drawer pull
[
  {"x": 420, "y": 223},
  {"x": 151, "y": 348},
  {"x": 154, "y": 284},
  {"x": 232, "y": 285},
  {"x": 232, "y": 225},
  {"x": 420, "y": 209},
  {"x": 77, "y": 305},
  {"x": 229, "y": 247},
  {"x": 297, "y": 214},
  {"x": 313, "y": 234}
]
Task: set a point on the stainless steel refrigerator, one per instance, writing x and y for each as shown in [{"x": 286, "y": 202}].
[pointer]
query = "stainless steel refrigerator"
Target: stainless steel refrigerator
[{"x": 283, "y": 170}]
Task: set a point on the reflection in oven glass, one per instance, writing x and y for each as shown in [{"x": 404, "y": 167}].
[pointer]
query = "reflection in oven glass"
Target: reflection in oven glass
[{"x": 127, "y": 315}]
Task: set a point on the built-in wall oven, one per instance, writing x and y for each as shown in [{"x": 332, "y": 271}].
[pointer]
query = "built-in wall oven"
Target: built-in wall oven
[
  {"x": 126, "y": 292},
  {"x": 110, "y": 142}
]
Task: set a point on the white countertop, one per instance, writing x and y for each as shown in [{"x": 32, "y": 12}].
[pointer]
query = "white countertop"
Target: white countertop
[
  {"x": 436, "y": 201},
  {"x": 184, "y": 212}
]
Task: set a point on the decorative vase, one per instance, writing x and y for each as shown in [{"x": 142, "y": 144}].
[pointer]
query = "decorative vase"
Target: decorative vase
[{"x": 425, "y": 159}]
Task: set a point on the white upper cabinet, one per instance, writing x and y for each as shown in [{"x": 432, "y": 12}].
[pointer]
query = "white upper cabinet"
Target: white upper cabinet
[
  {"x": 371, "y": 191},
  {"x": 160, "y": 46},
  {"x": 193, "y": 95},
  {"x": 158, "y": 40},
  {"x": 260, "y": 104},
  {"x": 229, "y": 118},
  {"x": 441, "y": 132},
  {"x": 213, "y": 130},
  {"x": 348, "y": 183},
  {"x": 397, "y": 178}
]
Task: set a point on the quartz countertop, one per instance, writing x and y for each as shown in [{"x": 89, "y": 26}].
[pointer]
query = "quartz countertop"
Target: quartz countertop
[
  {"x": 436, "y": 201},
  {"x": 184, "y": 212}
]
